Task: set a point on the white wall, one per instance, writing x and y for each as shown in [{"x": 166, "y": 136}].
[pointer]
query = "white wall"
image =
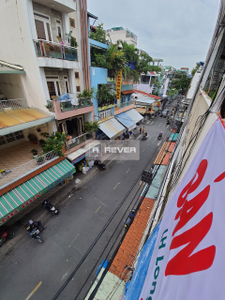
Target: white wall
[
  {"x": 11, "y": 86},
  {"x": 18, "y": 47}
]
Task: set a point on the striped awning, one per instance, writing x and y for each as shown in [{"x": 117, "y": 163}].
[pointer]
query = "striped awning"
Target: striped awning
[
  {"x": 18, "y": 198},
  {"x": 125, "y": 120},
  {"x": 112, "y": 128}
]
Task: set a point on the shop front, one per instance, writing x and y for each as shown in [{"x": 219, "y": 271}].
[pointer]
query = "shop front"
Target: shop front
[{"x": 17, "y": 199}]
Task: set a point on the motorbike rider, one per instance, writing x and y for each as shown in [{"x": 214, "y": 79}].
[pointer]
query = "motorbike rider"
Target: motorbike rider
[
  {"x": 36, "y": 225},
  {"x": 160, "y": 135}
]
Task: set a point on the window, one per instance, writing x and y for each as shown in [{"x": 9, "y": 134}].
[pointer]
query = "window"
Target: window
[
  {"x": 53, "y": 86},
  {"x": 59, "y": 29},
  {"x": 66, "y": 85},
  {"x": 8, "y": 138},
  {"x": 43, "y": 27},
  {"x": 77, "y": 75},
  {"x": 72, "y": 23},
  {"x": 78, "y": 89}
]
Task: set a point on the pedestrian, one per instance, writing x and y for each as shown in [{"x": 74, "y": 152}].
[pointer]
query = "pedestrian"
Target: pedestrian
[
  {"x": 140, "y": 130},
  {"x": 143, "y": 130}
]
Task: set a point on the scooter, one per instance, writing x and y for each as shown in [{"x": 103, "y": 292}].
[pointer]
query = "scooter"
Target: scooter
[
  {"x": 100, "y": 166},
  {"x": 159, "y": 136},
  {"x": 130, "y": 219},
  {"x": 34, "y": 233},
  {"x": 5, "y": 234},
  {"x": 50, "y": 207}
]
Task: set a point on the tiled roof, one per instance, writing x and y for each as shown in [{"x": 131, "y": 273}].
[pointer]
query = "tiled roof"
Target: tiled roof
[
  {"x": 127, "y": 92},
  {"x": 129, "y": 247},
  {"x": 146, "y": 94}
]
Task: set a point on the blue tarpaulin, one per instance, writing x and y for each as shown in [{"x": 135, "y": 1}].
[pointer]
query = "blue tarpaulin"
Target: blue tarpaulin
[
  {"x": 134, "y": 287},
  {"x": 126, "y": 121}
]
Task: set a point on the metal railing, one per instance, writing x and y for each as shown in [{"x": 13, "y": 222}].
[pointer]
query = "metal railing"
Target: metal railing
[
  {"x": 55, "y": 50},
  {"x": 78, "y": 140},
  {"x": 67, "y": 105},
  {"x": 124, "y": 104},
  {"x": 13, "y": 175},
  {"x": 13, "y": 104}
]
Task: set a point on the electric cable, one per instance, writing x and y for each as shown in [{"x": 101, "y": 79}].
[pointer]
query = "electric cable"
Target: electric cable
[{"x": 98, "y": 237}]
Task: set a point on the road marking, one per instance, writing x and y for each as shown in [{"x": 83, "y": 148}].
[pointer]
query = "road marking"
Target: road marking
[
  {"x": 116, "y": 185},
  {"x": 34, "y": 290},
  {"x": 74, "y": 240},
  {"x": 159, "y": 143},
  {"x": 139, "y": 136},
  {"x": 127, "y": 171},
  {"x": 148, "y": 122},
  {"x": 100, "y": 201},
  {"x": 168, "y": 126},
  {"x": 143, "y": 150},
  {"x": 149, "y": 139},
  {"x": 97, "y": 209},
  {"x": 152, "y": 122}
]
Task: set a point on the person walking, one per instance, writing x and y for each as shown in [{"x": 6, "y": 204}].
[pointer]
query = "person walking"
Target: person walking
[
  {"x": 143, "y": 130},
  {"x": 140, "y": 130}
]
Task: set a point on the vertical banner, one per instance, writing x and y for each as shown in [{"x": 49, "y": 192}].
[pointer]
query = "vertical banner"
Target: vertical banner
[
  {"x": 188, "y": 259},
  {"x": 118, "y": 84}
]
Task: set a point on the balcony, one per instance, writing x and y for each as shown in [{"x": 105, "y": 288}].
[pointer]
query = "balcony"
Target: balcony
[
  {"x": 78, "y": 140},
  {"x": 45, "y": 50},
  {"x": 124, "y": 104},
  {"x": 17, "y": 162},
  {"x": 13, "y": 104},
  {"x": 66, "y": 109}
]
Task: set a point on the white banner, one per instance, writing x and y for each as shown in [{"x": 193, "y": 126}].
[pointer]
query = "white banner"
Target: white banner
[{"x": 188, "y": 261}]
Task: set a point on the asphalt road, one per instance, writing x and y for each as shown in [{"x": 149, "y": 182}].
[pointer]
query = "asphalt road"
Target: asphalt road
[{"x": 37, "y": 271}]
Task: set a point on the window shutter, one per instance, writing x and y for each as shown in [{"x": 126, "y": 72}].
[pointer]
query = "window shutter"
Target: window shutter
[{"x": 40, "y": 30}]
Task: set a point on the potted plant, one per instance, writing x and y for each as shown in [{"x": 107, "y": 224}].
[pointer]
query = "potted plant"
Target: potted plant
[
  {"x": 42, "y": 143},
  {"x": 34, "y": 152},
  {"x": 40, "y": 159}
]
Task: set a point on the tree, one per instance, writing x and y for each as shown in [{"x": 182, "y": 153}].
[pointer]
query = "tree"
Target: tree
[
  {"x": 91, "y": 126},
  {"x": 54, "y": 142},
  {"x": 115, "y": 59},
  {"x": 105, "y": 95},
  {"x": 180, "y": 81},
  {"x": 99, "y": 35}
]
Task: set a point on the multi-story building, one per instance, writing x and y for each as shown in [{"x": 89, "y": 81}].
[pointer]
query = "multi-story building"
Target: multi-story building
[
  {"x": 122, "y": 34},
  {"x": 46, "y": 45}
]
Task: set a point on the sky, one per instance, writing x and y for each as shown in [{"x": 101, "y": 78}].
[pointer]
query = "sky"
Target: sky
[{"x": 177, "y": 31}]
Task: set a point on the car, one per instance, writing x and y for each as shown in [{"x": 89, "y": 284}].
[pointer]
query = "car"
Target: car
[{"x": 165, "y": 113}]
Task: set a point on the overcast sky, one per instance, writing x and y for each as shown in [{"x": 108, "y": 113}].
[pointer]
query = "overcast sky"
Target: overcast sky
[{"x": 178, "y": 31}]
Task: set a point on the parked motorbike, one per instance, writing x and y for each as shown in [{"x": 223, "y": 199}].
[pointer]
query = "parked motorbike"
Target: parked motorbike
[
  {"x": 5, "y": 234},
  {"x": 130, "y": 219},
  {"x": 100, "y": 166},
  {"x": 34, "y": 233},
  {"x": 50, "y": 207}
]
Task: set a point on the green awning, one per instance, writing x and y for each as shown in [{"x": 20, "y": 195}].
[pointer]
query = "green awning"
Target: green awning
[{"x": 18, "y": 198}]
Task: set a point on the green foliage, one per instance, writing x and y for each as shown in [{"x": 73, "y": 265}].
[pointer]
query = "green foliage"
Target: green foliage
[
  {"x": 86, "y": 94},
  {"x": 99, "y": 35},
  {"x": 98, "y": 58},
  {"x": 73, "y": 42},
  {"x": 105, "y": 95},
  {"x": 91, "y": 126},
  {"x": 172, "y": 92},
  {"x": 180, "y": 81},
  {"x": 42, "y": 143},
  {"x": 34, "y": 152},
  {"x": 54, "y": 142}
]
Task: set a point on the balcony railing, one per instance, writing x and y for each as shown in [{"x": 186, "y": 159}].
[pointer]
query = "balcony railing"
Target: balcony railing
[
  {"x": 26, "y": 168},
  {"x": 78, "y": 140},
  {"x": 67, "y": 105},
  {"x": 13, "y": 104},
  {"x": 124, "y": 104},
  {"x": 54, "y": 50}
]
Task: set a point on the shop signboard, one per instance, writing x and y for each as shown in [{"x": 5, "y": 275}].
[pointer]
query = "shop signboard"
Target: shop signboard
[{"x": 118, "y": 84}]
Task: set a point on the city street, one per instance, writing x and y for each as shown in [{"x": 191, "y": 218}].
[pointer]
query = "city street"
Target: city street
[{"x": 37, "y": 271}]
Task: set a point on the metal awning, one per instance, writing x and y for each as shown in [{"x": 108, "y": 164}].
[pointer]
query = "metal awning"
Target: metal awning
[
  {"x": 124, "y": 119},
  {"x": 173, "y": 136},
  {"x": 145, "y": 101},
  {"x": 8, "y": 68},
  {"x": 127, "y": 92},
  {"x": 112, "y": 128},
  {"x": 18, "y": 198},
  {"x": 140, "y": 110},
  {"x": 83, "y": 150},
  {"x": 20, "y": 119},
  {"x": 134, "y": 115}
]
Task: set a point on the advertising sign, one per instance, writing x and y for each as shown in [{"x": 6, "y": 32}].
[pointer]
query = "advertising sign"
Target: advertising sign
[
  {"x": 188, "y": 259},
  {"x": 118, "y": 84}
]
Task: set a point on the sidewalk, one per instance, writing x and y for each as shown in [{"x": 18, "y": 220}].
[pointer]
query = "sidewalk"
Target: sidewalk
[{"x": 37, "y": 212}]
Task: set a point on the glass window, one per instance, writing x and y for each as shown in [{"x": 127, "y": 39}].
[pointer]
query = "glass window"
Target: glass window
[{"x": 40, "y": 30}]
